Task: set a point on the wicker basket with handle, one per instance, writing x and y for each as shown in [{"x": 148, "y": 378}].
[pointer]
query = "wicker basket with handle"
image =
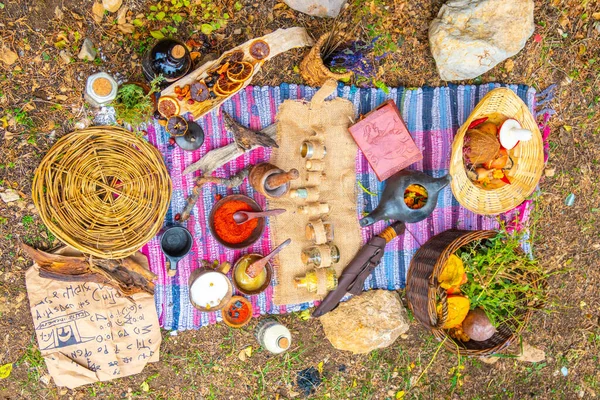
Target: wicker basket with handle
[
  {"x": 424, "y": 293},
  {"x": 528, "y": 158},
  {"x": 103, "y": 191}
]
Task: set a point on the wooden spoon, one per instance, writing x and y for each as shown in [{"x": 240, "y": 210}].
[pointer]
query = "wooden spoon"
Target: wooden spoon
[
  {"x": 241, "y": 217},
  {"x": 254, "y": 269}
]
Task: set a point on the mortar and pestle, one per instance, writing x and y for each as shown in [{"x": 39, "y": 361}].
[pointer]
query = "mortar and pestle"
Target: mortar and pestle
[
  {"x": 392, "y": 205},
  {"x": 271, "y": 181},
  {"x": 175, "y": 242}
]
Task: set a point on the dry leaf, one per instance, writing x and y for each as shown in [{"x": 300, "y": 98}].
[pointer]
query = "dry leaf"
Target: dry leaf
[
  {"x": 509, "y": 65},
  {"x": 122, "y": 15},
  {"x": 126, "y": 28},
  {"x": 61, "y": 97},
  {"x": 8, "y": 135},
  {"x": 245, "y": 353},
  {"x": 7, "y": 56},
  {"x": 98, "y": 12},
  {"x": 58, "y": 12},
  {"x": 596, "y": 16}
]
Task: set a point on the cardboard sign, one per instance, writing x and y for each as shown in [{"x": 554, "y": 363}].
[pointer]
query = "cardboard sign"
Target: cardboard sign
[{"x": 87, "y": 332}]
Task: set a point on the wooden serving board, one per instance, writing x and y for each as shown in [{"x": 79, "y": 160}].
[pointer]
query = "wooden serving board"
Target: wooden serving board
[{"x": 279, "y": 41}]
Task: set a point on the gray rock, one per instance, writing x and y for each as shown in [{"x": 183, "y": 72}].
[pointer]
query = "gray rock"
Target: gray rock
[
  {"x": 470, "y": 37},
  {"x": 87, "y": 51},
  {"x": 367, "y": 322},
  {"x": 317, "y": 8},
  {"x": 9, "y": 195}
]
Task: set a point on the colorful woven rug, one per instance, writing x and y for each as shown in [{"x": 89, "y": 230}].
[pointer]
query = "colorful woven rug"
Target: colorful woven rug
[{"x": 432, "y": 115}]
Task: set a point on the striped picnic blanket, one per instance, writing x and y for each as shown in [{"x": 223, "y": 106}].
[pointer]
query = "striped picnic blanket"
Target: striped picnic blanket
[{"x": 432, "y": 115}]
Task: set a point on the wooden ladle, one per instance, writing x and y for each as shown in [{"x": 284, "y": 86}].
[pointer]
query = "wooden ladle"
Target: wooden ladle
[
  {"x": 241, "y": 217},
  {"x": 254, "y": 269}
]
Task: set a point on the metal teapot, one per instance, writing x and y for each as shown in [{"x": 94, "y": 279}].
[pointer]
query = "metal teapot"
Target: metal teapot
[{"x": 392, "y": 205}]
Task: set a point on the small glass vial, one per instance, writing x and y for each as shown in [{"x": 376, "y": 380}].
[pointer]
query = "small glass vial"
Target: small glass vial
[
  {"x": 319, "y": 231},
  {"x": 313, "y": 278},
  {"x": 319, "y": 256},
  {"x": 305, "y": 194},
  {"x": 311, "y": 149},
  {"x": 314, "y": 209}
]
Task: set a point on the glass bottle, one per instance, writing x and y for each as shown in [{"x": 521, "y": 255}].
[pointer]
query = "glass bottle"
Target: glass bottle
[
  {"x": 314, "y": 209},
  {"x": 322, "y": 255},
  {"x": 169, "y": 58},
  {"x": 310, "y": 281},
  {"x": 319, "y": 231},
  {"x": 311, "y": 149}
]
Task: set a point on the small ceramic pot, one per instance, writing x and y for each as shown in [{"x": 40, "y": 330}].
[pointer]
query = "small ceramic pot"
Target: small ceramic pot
[{"x": 233, "y": 322}]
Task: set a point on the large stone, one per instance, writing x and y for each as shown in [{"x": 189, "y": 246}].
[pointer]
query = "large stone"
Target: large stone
[
  {"x": 87, "y": 51},
  {"x": 317, "y": 8},
  {"x": 470, "y": 37},
  {"x": 367, "y": 322}
]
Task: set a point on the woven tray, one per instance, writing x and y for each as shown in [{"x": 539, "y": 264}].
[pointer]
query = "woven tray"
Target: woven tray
[
  {"x": 423, "y": 293},
  {"x": 528, "y": 157},
  {"x": 103, "y": 191}
]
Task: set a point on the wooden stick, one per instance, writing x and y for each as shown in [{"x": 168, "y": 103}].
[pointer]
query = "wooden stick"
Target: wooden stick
[
  {"x": 234, "y": 181},
  {"x": 221, "y": 156}
]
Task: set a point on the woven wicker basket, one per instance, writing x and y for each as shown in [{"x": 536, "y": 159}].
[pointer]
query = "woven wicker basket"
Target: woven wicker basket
[
  {"x": 424, "y": 293},
  {"x": 312, "y": 69},
  {"x": 528, "y": 158},
  {"x": 103, "y": 191}
]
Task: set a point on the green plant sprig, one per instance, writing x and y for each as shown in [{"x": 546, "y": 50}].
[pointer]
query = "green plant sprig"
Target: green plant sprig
[
  {"x": 501, "y": 277},
  {"x": 132, "y": 105}
]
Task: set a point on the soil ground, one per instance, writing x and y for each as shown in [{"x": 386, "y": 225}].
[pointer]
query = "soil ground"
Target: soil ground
[{"x": 41, "y": 100}]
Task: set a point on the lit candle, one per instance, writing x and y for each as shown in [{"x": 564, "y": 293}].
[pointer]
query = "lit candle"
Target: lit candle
[{"x": 209, "y": 289}]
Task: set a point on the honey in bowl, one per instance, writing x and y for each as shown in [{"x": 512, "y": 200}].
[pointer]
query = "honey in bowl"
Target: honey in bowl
[{"x": 242, "y": 280}]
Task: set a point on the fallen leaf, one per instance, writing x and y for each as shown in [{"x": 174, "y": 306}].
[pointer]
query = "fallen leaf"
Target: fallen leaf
[
  {"x": 98, "y": 12},
  {"x": 537, "y": 38},
  {"x": 531, "y": 354},
  {"x": 157, "y": 35},
  {"x": 400, "y": 395},
  {"x": 5, "y": 370},
  {"x": 126, "y": 28},
  {"x": 320, "y": 367},
  {"x": 509, "y": 65},
  {"x": 568, "y": 128},
  {"x": 245, "y": 353},
  {"x": 122, "y": 15},
  {"x": 58, "y": 12},
  {"x": 596, "y": 16},
  {"x": 61, "y": 97},
  {"x": 7, "y": 56},
  {"x": 144, "y": 386}
]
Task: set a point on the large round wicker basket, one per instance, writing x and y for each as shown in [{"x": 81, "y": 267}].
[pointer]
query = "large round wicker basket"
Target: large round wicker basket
[
  {"x": 424, "y": 293},
  {"x": 312, "y": 69},
  {"x": 528, "y": 158},
  {"x": 103, "y": 191}
]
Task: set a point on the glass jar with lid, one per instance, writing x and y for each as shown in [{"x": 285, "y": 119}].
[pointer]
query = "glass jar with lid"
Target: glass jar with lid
[
  {"x": 313, "y": 278},
  {"x": 319, "y": 231},
  {"x": 322, "y": 255}
]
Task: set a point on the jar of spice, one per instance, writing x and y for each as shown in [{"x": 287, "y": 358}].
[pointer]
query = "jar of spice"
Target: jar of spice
[
  {"x": 322, "y": 255},
  {"x": 100, "y": 89},
  {"x": 314, "y": 209},
  {"x": 319, "y": 231},
  {"x": 318, "y": 280}
]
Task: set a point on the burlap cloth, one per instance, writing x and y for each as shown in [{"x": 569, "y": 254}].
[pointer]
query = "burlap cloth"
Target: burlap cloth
[{"x": 297, "y": 121}]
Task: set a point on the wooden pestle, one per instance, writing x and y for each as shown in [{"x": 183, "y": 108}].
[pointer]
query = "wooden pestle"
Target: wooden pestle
[{"x": 279, "y": 179}]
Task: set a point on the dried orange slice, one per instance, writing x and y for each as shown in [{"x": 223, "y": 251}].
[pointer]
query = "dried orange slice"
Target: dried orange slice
[
  {"x": 239, "y": 72},
  {"x": 167, "y": 106},
  {"x": 225, "y": 87},
  {"x": 259, "y": 49}
]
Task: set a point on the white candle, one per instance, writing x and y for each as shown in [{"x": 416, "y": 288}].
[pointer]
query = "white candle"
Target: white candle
[{"x": 209, "y": 289}]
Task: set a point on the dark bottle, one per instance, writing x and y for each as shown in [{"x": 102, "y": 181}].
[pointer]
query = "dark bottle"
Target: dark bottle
[{"x": 169, "y": 58}]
